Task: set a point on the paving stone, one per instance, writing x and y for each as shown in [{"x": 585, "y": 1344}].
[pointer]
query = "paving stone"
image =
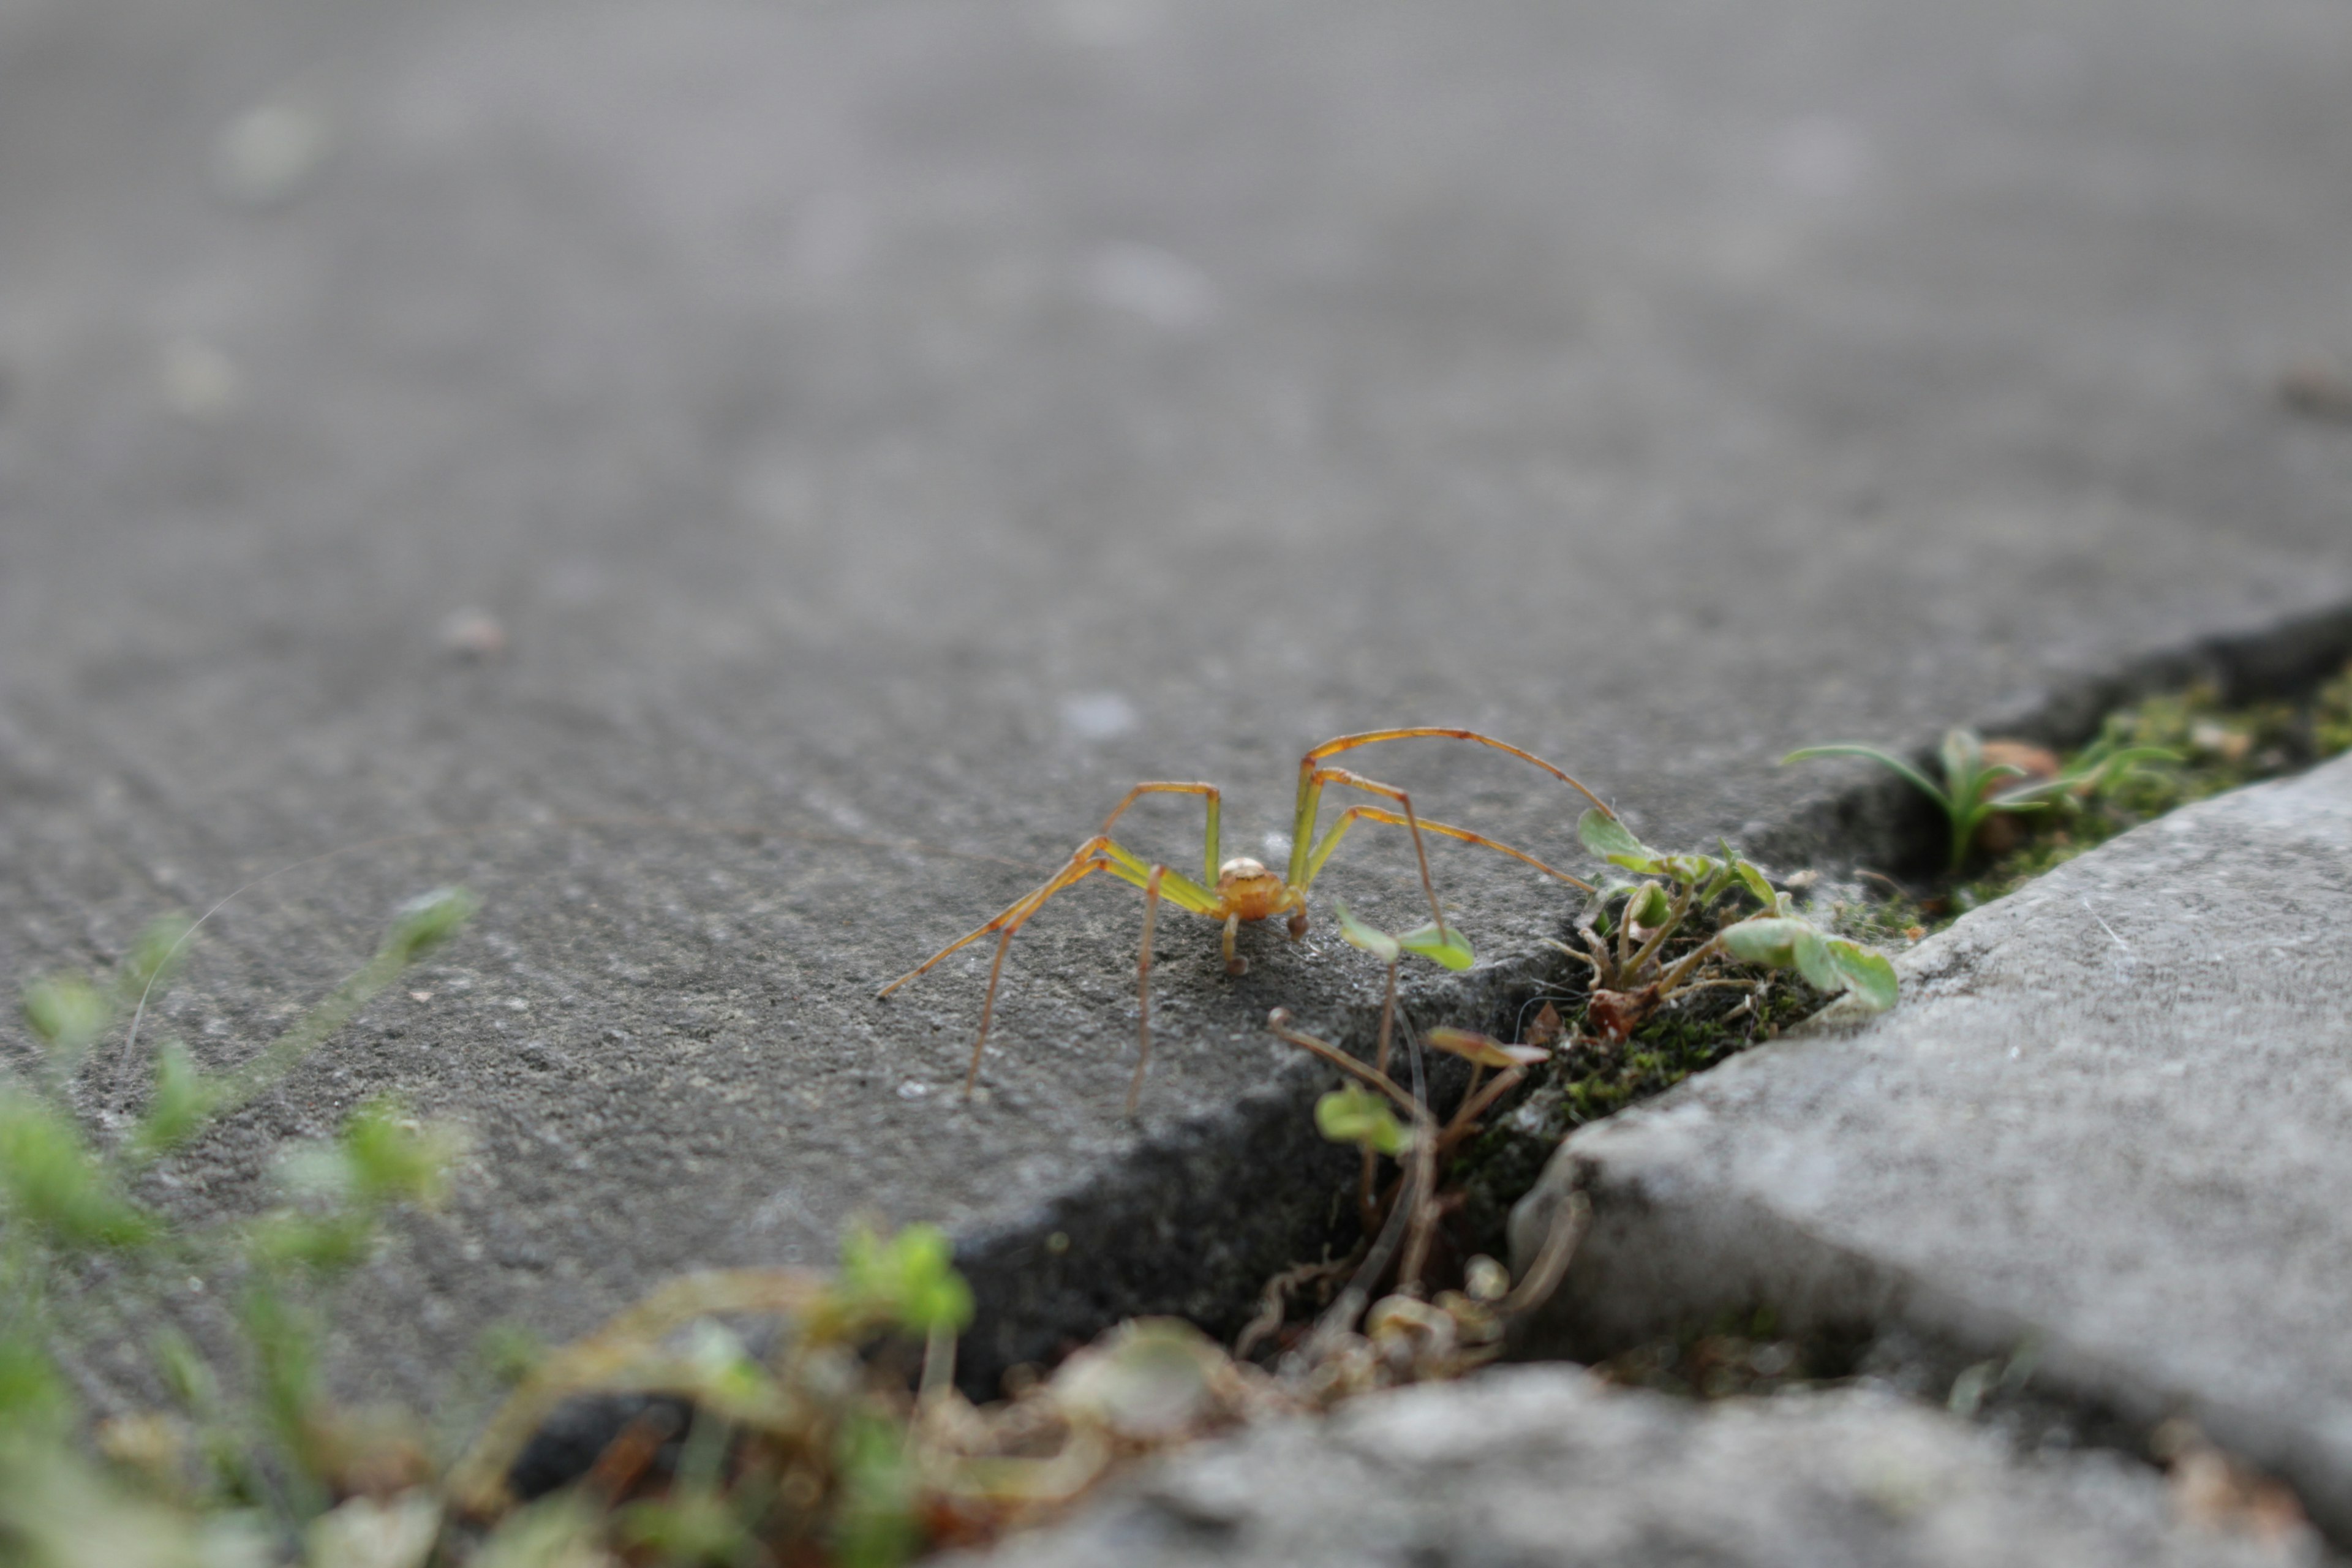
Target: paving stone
[
  {"x": 2111, "y": 1119},
  {"x": 917, "y": 419},
  {"x": 1530, "y": 1465}
]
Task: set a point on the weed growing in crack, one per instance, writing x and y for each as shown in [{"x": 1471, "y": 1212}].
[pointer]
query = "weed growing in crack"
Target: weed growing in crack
[
  {"x": 1630, "y": 935},
  {"x": 2151, "y": 757},
  {"x": 1689, "y": 959},
  {"x": 1980, "y": 779},
  {"x": 260, "y": 1462}
]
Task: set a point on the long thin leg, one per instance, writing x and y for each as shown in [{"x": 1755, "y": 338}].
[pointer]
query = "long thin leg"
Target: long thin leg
[
  {"x": 1143, "y": 988},
  {"x": 1180, "y": 891},
  {"x": 1310, "y": 787},
  {"x": 1331, "y": 841},
  {"x": 1420, "y": 851},
  {"x": 1160, "y": 787},
  {"x": 1069, "y": 877},
  {"x": 1097, "y": 854}
]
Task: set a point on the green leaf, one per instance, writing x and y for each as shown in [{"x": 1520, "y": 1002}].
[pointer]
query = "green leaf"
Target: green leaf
[
  {"x": 285, "y": 1338},
  {"x": 185, "y": 1371},
  {"x": 875, "y": 1521},
  {"x": 151, "y": 957},
  {"x": 393, "y": 1159},
  {"x": 66, "y": 1011},
  {"x": 1606, "y": 837},
  {"x": 692, "y": 1524},
  {"x": 1688, "y": 870},
  {"x": 54, "y": 1183},
  {"x": 1867, "y": 974},
  {"x": 1771, "y": 941},
  {"x": 1962, "y": 757},
  {"x": 1813, "y": 962},
  {"x": 1450, "y": 948},
  {"x": 1649, "y": 906},
  {"x": 2036, "y": 796},
  {"x": 428, "y": 921},
  {"x": 724, "y": 1373},
  {"x": 1358, "y": 1116},
  {"x": 183, "y": 1101},
  {"x": 1356, "y": 933},
  {"x": 906, "y": 1279},
  {"x": 1753, "y": 881},
  {"x": 34, "y": 1395},
  {"x": 1884, "y": 759},
  {"x": 324, "y": 1243}
]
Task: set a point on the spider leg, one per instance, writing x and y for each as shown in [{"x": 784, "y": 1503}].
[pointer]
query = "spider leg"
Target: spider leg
[
  {"x": 1331, "y": 841},
  {"x": 1143, "y": 986},
  {"x": 1161, "y": 786},
  {"x": 1097, "y": 854},
  {"x": 1300, "y": 853},
  {"x": 1310, "y": 785}
]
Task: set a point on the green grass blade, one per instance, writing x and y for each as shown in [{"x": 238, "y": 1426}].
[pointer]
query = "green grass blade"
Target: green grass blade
[{"x": 1884, "y": 759}]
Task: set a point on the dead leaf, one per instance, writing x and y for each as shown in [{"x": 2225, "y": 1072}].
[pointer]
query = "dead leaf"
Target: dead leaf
[{"x": 1615, "y": 1015}]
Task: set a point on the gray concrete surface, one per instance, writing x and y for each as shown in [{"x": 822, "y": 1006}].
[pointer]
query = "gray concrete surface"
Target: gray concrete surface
[
  {"x": 1530, "y": 1465},
  {"x": 916, "y": 420},
  {"x": 2111, "y": 1121}
]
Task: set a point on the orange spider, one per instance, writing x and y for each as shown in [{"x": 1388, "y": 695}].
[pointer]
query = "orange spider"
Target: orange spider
[{"x": 1241, "y": 888}]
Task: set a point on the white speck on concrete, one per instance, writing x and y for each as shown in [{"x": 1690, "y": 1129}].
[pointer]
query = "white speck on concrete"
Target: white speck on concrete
[
  {"x": 272, "y": 153},
  {"x": 1097, "y": 715},
  {"x": 1158, "y": 285}
]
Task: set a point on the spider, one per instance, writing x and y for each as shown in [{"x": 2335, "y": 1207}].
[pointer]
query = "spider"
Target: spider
[{"x": 1239, "y": 889}]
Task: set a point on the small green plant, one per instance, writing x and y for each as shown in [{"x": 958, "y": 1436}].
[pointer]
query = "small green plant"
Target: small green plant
[
  {"x": 1628, "y": 935},
  {"x": 1971, "y": 792},
  {"x": 1362, "y": 1342},
  {"x": 263, "y": 1462}
]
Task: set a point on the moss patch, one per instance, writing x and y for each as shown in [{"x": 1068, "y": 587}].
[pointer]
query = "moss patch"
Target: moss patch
[{"x": 1589, "y": 1078}]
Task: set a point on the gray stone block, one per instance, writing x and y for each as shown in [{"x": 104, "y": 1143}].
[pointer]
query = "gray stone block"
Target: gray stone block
[
  {"x": 2112, "y": 1118},
  {"x": 918, "y": 419},
  {"x": 1548, "y": 1468}
]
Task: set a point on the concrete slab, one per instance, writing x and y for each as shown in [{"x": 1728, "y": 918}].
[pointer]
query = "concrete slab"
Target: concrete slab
[
  {"x": 916, "y": 420},
  {"x": 2109, "y": 1120},
  {"x": 1547, "y": 1465}
]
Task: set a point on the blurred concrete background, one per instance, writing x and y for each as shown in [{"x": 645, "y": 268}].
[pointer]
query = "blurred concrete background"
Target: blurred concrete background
[{"x": 917, "y": 420}]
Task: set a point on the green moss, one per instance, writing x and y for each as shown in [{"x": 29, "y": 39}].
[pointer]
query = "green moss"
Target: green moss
[{"x": 1590, "y": 1080}]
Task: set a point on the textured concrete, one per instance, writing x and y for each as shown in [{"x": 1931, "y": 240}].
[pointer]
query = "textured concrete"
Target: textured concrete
[
  {"x": 1536, "y": 1466},
  {"x": 916, "y": 419},
  {"x": 2113, "y": 1119}
]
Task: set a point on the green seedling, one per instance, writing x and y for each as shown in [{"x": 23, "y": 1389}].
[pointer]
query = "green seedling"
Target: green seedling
[
  {"x": 67, "y": 1192},
  {"x": 1361, "y": 1343},
  {"x": 1361, "y": 1116},
  {"x": 1829, "y": 963},
  {"x": 1626, "y": 937},
  {"x": 818, "y": 1452},
  {"x": 1241, "y": 891},
  {"x": 1366, "y": 1114},
  {"x": 1971, "y": 792}
]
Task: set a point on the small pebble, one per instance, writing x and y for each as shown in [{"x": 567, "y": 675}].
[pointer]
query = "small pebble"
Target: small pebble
[
  {"x": 474, "y": 635},
  {"x": 198, "y": 382},
  {"x": 271, "y": 154}
]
